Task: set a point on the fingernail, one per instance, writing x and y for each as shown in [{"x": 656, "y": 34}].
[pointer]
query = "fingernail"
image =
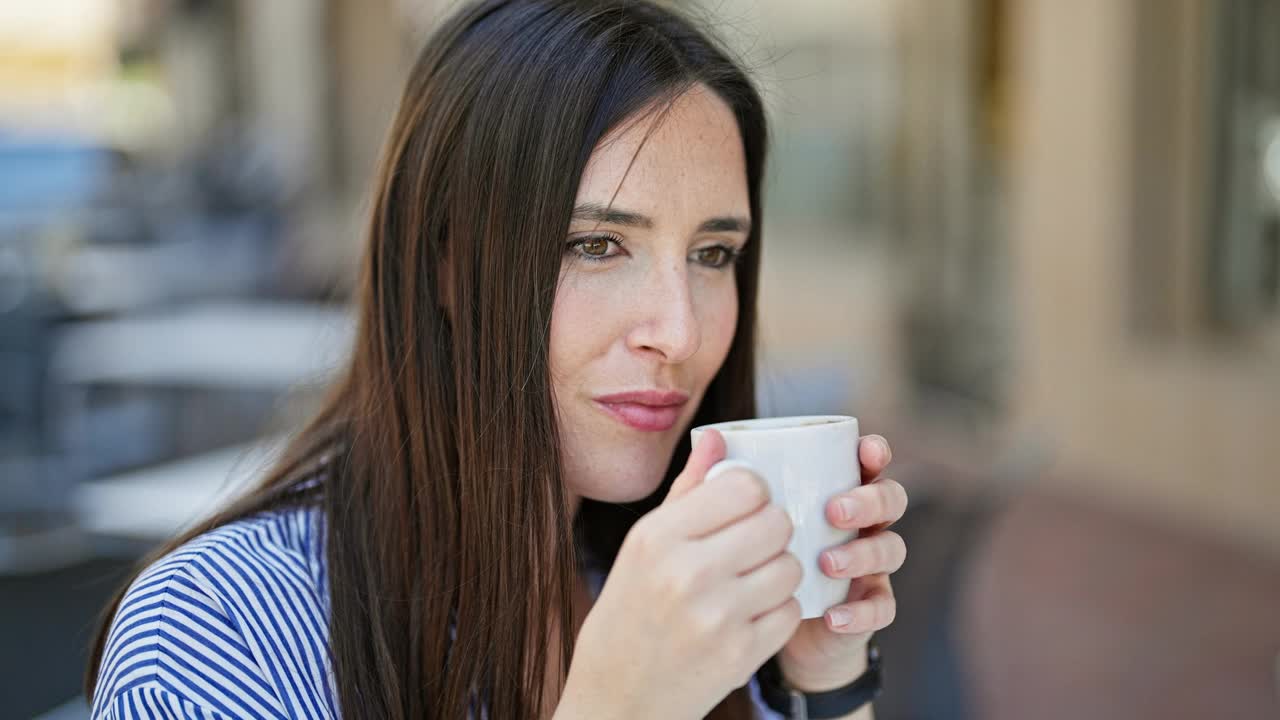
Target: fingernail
[
  {"x": 884, "y": 448},
  {"x": 839, "y": 617},
  {"x": 836, "y": 561},
  {"x": 847, "y": 508}
]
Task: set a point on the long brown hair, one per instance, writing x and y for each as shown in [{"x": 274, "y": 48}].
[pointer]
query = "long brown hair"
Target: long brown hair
[{"x": 436, "y": 449}]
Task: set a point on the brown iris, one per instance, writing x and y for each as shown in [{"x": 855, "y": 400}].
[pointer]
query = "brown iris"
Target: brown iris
[
  {"x": 595, "y": 247},
  {"x": 713, "y": 256}
]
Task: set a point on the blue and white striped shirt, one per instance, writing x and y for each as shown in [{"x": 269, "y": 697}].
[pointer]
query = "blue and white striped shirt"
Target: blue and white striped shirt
[{"x": 233, "y": 624}]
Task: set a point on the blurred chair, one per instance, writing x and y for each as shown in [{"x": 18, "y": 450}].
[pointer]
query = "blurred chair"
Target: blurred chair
[{"x": 949, "y": 516}]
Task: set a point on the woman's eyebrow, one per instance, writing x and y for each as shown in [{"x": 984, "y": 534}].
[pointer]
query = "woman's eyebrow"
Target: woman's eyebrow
[
  {"x": 595, "y": 212},
  {"x": 726, "y": 224}
]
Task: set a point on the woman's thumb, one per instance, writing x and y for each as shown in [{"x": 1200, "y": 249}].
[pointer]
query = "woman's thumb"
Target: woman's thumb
[{"x": 708, "y": 451}]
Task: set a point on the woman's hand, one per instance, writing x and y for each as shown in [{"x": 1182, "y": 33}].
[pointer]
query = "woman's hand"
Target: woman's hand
[
  {"x": 830, "y": 651},
  {"x": 699, "y": 597}
]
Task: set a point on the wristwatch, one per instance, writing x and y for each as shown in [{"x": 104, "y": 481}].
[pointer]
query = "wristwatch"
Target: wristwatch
[{"x": 797, "y": 705}]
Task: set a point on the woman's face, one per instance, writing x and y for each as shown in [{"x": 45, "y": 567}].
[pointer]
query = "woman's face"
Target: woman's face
[{"x": 647, "y": 304}]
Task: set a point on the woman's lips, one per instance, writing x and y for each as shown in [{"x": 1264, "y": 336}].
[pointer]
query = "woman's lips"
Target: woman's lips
[
  {"x": 643, "y": 417},
  {"x": 648, "y": 410}
]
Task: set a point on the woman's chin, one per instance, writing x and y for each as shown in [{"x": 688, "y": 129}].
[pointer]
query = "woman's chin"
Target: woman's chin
[{"x": 623, "y": 489}]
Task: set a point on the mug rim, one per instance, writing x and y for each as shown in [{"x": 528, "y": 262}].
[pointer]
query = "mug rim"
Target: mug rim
[{"x": 792, "y": 423}]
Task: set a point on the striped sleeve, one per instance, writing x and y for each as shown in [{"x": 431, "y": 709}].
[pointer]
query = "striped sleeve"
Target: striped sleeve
[
  {"x": 763, "y": 711},
  {"x": 149, "y": 702},
  {"x": 172, "y": 636},
  {"x": 231, "y": 625}
]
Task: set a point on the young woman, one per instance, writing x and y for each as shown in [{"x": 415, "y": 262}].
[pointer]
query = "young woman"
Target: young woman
[{"x": 497, "y": 512}]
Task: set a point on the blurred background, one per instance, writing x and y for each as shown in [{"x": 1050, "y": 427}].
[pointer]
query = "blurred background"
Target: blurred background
[{"x": 1035, "y": 243}]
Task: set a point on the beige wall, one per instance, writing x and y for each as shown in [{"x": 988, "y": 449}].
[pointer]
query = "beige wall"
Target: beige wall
[{"x": 1177, "y": 425}]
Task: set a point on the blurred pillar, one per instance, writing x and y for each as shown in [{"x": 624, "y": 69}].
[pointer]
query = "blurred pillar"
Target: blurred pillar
[
  {"x": 372, "y": 48},
  {"x": 196, "y": 46},
  {"x": 285, "y": 68},
  {"x": 946, "y": 219}
]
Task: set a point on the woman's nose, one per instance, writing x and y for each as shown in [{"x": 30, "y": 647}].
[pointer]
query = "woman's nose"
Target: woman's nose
[{"x": 666, "y": 322}]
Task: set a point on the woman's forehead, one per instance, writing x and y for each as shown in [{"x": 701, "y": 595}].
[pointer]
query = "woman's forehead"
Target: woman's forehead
[{"x": 689, "y": 153}]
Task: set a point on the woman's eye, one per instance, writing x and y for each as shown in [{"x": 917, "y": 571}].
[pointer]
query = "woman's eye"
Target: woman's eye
[
  {"x": 716, "y": 256},
  {"x": 595, "y": 247}
]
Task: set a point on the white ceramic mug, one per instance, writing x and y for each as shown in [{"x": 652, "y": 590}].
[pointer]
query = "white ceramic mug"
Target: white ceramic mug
[{"x": 804, "y": 461}]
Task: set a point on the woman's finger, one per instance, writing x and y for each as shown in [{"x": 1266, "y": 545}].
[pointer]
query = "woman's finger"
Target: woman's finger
[
  {"x": 751, "y": 541},
  {"x": 882, "y": 553},
  {"x": 874, "y": 455},
  {"x": 709, "y": 451},
  {"x": 714, "y": 504},
  {"x": 773, "y": 629},
  {"x": 769, "y": 585},
  {"x": 874, "y": 610},
  {"x": 882, "y": 502}
]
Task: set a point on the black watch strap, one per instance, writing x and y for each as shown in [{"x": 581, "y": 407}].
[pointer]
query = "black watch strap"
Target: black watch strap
[{"x": 836, "y": 703}]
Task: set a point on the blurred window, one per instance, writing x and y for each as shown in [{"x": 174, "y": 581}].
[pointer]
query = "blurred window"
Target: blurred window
[
  {"x": 1205, "y": 254},
  {"x": 1244, "y": 237}
]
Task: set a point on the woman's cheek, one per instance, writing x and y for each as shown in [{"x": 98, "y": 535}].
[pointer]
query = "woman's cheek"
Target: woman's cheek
[
  {"x": 567, "y": 314},
  {"x": 719, "y": 322},
  {"x": 581, "y": 319}
]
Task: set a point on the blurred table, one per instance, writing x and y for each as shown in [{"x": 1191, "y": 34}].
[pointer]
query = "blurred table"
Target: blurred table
[
  {"x": 222, "y": 347},
  {"x": 219, "y": 344},
  {"x": 157, "y": 502}
]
